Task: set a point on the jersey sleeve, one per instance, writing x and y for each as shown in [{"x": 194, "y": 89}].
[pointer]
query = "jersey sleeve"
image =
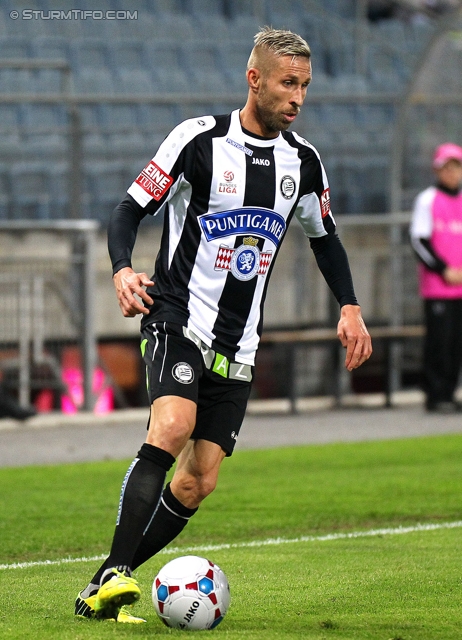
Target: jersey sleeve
[
  {"x": 121, "y": 232},
  {"x": 173, "y": 163},
  {"x": 421, "y": 230},
  {"x": 157, "y": 183},
  {"x": 313, "y": 209},
  {"x": 333, "y": 263}
]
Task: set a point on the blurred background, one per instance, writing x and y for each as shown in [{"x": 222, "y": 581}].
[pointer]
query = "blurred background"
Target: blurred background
[{"x": 87, "y": 93}]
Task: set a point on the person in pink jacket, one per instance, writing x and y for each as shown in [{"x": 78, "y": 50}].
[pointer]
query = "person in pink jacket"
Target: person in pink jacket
[{"x": 436, "y": 237}]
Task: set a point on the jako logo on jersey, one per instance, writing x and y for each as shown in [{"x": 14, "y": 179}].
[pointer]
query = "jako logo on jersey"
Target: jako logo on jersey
[
  {"x": 287, "y": 187},
  {"x": 324, "y": 201},
  {"x": 249, "y": 152},
  {"x": 262, "y": 161},
  {"x": 257, "y": 221},
  {"x": 183, "y": 372},
  {"x": 154, "y": 180}
]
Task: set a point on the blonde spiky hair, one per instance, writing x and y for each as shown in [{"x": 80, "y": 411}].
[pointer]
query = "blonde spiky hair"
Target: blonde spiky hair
[{"x": 280, "y": 42}]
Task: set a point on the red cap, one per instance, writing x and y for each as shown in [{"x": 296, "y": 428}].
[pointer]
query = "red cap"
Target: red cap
[{"x": 445, "y": 152}]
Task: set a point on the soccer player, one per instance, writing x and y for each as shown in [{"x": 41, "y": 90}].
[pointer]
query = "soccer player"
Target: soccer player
[{"x": 232, "y": 184}]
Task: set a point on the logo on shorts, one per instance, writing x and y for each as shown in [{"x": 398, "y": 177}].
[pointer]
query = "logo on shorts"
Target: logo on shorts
[{"x": 183, "y": 372}]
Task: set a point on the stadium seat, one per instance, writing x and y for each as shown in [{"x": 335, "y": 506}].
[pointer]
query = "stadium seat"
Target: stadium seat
[
  {"x": 90, "y": 115},
  {"x": 214, "y": 29},
  {"x": 158, "y": 118},
  {"x": 386, "y": 70},
  {"x": 5, "y": 195},
  {"x": 89, "y": 53},
  {"x": 51, "y": 47},
  {"x": 10, "y": 117},
  {"x": 178, "y": 27},
  {"x": 15, "y": 47},
  {"x": 350, "y": 83},
  {"x": 107, "y": 184},
  {"x": 30, "y": 189},
  {"x": 198, "y": 47},
  {"x": 16, "y": 81},
  {"x": 43, "y": 116},
  {"x": 134, "y": 82},
  {"x": 205, "y": 7},
  {"x": 167, "y": 67},
  {"x": 202, "y": 61},
  {"x": 117, "y": 116},
  {"x": 59, "y": 190},
  {"x": 234, "y": 62},
  {"x": 92, "y": 81},
  {"x": 127, "y": 53},
  {"x": 166, "y": 6},
  {"x": 243, "y": 29},
  {"x": 128, "y": 143}
]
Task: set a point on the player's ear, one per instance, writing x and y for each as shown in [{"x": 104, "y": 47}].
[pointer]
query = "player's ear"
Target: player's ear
[{"x": 253, "y": 78}]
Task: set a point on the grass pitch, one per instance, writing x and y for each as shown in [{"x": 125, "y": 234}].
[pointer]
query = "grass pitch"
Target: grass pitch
[{"x": 380, "y": 587}]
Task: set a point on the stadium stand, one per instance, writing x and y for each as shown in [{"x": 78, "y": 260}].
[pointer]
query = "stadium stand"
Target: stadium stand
[{"x": 191, "y": 48}]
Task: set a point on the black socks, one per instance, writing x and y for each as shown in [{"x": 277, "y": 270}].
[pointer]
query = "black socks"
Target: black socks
[
  {"x": 169, "y": 521},
  {"x": 157, "y": 522},
  {"x": 141, "y": 491}
]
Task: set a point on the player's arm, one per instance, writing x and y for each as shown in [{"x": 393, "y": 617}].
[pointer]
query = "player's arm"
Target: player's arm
[
  {"x": 314, "y": 214},
  {"x": 157, "y": 183},
  {"x": 333, "y": 263},
  {"x": 122, "y": 232}
]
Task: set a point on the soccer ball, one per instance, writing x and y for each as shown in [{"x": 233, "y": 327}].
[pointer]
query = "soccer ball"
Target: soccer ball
[{"x": 191, "y": 593}]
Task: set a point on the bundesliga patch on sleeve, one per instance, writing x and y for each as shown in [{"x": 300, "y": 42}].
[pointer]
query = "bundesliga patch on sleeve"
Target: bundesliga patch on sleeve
[
  {"x": 324, "y": 201},
  {"x": 154, "y": 180}
]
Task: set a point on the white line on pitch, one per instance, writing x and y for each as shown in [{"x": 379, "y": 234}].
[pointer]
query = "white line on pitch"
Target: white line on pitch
[{"x": 254, "y": 543}]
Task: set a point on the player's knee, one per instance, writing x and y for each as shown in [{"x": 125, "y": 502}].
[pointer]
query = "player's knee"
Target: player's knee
[{"x": 170, "y": 432}]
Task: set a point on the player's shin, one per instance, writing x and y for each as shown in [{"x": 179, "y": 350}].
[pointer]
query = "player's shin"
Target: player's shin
[
  {"x": 168, "y": 522},
  {"x": 141, "y": 491}
]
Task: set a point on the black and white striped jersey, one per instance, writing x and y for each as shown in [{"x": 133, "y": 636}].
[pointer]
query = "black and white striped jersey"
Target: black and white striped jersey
[{"x": 230, "y": 196}]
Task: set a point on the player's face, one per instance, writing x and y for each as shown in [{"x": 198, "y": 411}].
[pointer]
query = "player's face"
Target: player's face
[
  {"x": 282, "y": 92},
  {"x": 450, "y": 174}
]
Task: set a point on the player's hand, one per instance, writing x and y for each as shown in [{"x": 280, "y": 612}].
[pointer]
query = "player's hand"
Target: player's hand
[
  {"x": 354, "y": 336},
  {"x": 452, "y": 275},
  {"x": 128, "y": 284}
]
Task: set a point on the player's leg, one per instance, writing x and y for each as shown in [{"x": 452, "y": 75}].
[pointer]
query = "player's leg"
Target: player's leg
[
  {"x": 221, "y": 408},
  {"x": 195, "y": 478},
  {"x": 171, "y": 422},
  {"x": 140, "y": 494}
]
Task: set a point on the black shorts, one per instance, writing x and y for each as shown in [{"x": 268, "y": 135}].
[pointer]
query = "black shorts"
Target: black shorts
[{"x": 176, "y": 366}]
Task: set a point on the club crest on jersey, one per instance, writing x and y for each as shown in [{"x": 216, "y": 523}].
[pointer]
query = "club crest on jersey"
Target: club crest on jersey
[
  {"x": 229, "y": 186},
  {"x": 324, "y": 201},
  {"x": 248, "y": 220},
  {"x": 287, "y": 187},
  {"x": 154, "y": 180},
  {"x": 244, "y": 262}
]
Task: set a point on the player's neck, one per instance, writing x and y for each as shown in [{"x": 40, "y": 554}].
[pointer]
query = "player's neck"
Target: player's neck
[{"x": 252, "y": 124}]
